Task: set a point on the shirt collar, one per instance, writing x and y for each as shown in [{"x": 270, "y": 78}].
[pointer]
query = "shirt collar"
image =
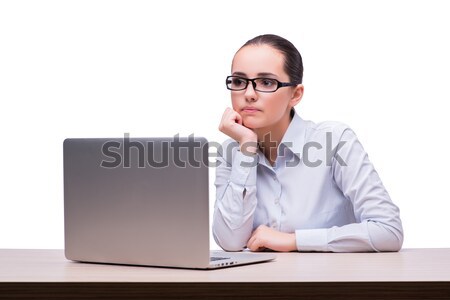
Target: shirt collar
[{"x": 293, "y": 139}]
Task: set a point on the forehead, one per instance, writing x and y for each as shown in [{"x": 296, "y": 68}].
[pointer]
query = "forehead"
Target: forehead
[{"x": 255, "y": 59}]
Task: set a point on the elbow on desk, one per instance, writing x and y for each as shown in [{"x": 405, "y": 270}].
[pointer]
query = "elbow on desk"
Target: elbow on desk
[
  {"x": 390, "y": 245},
  {"x": 387, "y": 239},
  {"x": 231, "y": 245},
  {"x": 232, "y": 249}
]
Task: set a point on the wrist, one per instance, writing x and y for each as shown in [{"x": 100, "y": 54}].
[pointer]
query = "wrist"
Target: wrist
[{"x": 293, "y": 243}]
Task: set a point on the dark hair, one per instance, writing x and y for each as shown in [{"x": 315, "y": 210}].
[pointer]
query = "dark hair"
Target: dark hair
[{"x": 293, "y": 64}]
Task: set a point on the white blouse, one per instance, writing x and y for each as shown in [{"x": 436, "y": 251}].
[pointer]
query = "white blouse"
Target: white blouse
[{"x": 322, "y": 187}]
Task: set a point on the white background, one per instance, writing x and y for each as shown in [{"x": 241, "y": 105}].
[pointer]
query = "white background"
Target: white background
[{"x": 103, "y": 68}]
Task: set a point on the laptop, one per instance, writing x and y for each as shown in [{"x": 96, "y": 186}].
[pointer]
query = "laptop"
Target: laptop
[{"x": 141, "y": 201}]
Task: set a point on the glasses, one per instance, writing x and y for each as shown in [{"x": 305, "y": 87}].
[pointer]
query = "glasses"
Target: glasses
[{"x": 265, "y": 85}]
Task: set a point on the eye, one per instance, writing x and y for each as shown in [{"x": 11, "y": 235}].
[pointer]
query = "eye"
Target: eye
[
  {"x": 267, "y": 82},
  {"x": 238, "y": 82}
]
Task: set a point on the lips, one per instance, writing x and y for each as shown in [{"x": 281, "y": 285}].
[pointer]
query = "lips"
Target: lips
[{"x": 250, "y": 109}]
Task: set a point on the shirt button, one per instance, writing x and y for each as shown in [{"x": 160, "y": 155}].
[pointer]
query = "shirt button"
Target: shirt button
[{"x": 277, "y": 200}]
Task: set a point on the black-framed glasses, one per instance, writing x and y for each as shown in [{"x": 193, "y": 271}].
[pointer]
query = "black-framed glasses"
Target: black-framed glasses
[{"x": 260, "y": 84}]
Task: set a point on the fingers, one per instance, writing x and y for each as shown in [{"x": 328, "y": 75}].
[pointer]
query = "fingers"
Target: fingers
[
  {"x": 254, "y": 244},
  {"x": 238, "y": 118},
  {"x": 235, "y": 117},
  {"x": 232, "y": 125},
  {"x": 256, "y": 241},
  {"x": 230, "y": 116},
  {"x": 267, "y": 238}
]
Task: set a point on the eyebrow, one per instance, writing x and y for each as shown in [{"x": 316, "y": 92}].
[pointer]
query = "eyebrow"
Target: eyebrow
[{"x": 258, "y": 75}]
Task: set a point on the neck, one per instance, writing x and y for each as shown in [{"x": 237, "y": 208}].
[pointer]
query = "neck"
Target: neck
[{"x": 270, "y": 137}]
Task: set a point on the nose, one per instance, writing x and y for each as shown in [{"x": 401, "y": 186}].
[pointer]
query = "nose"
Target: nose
[{"x": 250, "y": 93}]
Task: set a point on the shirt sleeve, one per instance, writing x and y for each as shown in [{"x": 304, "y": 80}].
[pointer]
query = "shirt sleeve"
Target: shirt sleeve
[
  {"x": 378, "y": 226},
  {"x": 235, "y": 197}
]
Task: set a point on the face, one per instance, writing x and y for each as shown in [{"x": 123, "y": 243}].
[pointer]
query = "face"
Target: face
[{"x": 269, "y": 109}]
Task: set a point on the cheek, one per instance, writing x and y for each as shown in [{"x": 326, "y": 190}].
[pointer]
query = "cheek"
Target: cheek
[
  {"x": 234, "y": 102},
  {"x": 280, "y": 101},
  {"x": 276, "y": 102}
]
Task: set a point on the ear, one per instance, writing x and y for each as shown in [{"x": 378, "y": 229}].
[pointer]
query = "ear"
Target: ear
[{"x": 297, "y": 95}]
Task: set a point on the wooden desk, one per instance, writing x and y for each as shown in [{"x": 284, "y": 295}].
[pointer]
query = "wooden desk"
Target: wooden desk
[{"x": 408, "y": 274}]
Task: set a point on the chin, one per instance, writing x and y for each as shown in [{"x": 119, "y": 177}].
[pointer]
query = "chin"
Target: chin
[{"x": 252, "y": 124}]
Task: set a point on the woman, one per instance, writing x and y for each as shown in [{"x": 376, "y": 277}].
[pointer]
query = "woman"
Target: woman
[{"x": 288, "y": 184}]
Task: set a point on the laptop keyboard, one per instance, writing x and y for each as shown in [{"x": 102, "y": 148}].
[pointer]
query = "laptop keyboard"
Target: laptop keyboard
[{"x": 215, "y": 258}]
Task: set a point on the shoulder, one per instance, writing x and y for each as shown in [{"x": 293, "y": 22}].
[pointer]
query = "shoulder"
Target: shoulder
[
  {"x": 329, "y": 126},
  {"x": 333, "y": 129}
]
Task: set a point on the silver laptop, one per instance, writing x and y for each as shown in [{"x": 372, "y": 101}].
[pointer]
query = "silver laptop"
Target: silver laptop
[{"x": 141, "y": 201}]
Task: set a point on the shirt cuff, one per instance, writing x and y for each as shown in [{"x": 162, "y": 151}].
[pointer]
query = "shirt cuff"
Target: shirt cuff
[
  {"x": 312, "y": 239},
  {"x": 243, "y": 171}
]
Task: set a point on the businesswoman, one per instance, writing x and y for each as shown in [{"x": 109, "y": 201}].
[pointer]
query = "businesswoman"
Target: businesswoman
[{"x": 288, "y": 184}]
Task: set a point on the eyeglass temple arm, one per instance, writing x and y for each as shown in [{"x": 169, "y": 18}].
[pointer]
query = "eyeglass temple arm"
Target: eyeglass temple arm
[{"x": 282, "y": 84}]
